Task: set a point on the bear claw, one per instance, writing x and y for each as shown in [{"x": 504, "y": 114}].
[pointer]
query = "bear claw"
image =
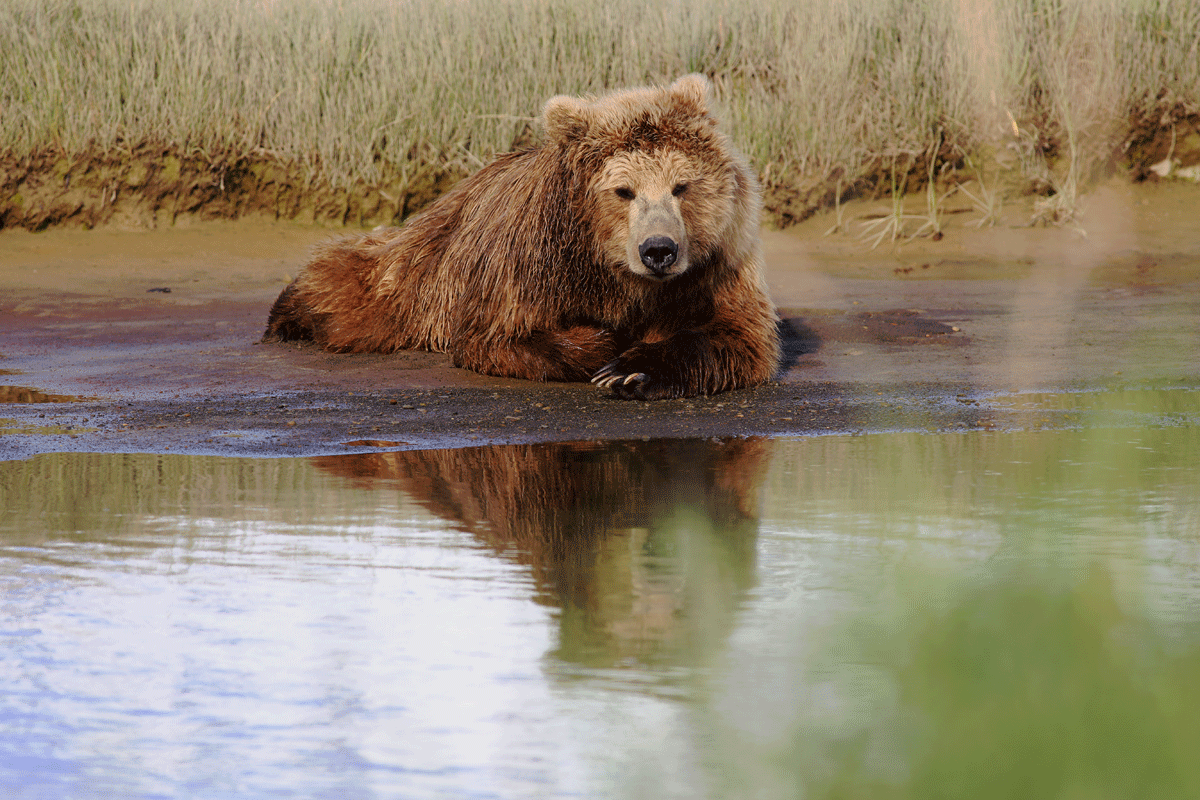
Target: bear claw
[
  {"x": 603, "y": 375},
  {"x": 623, "y": 385}
]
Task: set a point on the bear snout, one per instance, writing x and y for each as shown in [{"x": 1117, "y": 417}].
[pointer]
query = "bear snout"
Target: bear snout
[{"x": 658, "y": 253}]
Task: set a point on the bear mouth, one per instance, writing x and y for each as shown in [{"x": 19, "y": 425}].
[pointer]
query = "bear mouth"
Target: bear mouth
[{"x": 655, "y": 277}]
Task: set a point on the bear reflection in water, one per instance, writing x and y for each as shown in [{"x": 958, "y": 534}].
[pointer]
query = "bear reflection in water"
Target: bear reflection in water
[{"x": 646, "y": 547}]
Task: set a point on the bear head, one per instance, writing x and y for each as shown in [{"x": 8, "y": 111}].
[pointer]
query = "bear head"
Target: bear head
[{"x": 663, "y": 186}]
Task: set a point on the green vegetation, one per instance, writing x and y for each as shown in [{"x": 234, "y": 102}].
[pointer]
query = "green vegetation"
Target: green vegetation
[
  {"x": 1024, "y": 682},
  {"x": 1008, "y": 624},
  {"x": 368, "y": 94}
]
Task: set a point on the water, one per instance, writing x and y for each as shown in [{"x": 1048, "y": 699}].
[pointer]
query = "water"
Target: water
[{"x": 889, "y": 615}]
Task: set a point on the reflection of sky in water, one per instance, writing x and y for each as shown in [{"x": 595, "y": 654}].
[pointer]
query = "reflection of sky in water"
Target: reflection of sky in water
[
  {"x": 384, "y": 653},
  {"x": 529, "y": 621}
]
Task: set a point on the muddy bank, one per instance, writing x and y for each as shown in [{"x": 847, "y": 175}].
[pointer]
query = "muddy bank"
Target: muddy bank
[
  {"x": 154, "y": 186},
  {"x": 148, "y": 186},
  {"x": 127, "y": 341}
]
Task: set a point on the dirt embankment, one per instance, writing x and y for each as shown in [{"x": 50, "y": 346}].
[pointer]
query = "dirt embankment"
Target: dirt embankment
[
  {"x": 152, "y": 186},
  {"x": 149, "y": 186},
  {"x": 1164, "y": 145}
]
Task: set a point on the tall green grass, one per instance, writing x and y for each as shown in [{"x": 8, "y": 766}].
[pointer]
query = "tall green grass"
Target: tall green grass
[{"x": 360, "y": 90}]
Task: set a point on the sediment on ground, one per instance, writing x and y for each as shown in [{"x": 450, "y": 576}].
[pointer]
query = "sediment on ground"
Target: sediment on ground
[
  {"x": 149, "y": 186},
  {"x": 152, "y": 185}
]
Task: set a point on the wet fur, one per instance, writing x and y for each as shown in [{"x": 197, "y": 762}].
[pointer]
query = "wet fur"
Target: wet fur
[{"x": 521, "y": 271}]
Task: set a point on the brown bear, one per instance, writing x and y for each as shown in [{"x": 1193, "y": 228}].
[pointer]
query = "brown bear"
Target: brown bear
[{"x": 624, "y": 248}]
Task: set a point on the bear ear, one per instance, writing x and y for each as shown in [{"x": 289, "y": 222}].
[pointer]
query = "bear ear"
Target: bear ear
[
  {"x": 695, "y": 89},
  {"x": 564, "y": 118}
]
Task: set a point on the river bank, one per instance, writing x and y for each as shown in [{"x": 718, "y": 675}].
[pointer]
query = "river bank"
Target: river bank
[
  {"x": 147, "y": 341},
  {"x": 148, "y": 187}
]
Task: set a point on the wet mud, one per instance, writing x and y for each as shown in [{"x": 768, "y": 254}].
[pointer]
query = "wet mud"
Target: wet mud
[{"x": 97, "y": 355}]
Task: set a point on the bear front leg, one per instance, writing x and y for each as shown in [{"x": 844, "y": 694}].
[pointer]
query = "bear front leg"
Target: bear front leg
[{"x": 571, "y": 354}]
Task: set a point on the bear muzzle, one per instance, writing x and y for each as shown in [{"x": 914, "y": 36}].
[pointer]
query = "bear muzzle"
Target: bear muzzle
[{"x": 658, "y": 253}]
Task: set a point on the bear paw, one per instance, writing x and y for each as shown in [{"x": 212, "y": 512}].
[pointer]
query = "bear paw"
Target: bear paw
[
  {"x": 629, "y": 387},
  {"x": 634, "y": 386},
  {"x": 649, "y": 372}
]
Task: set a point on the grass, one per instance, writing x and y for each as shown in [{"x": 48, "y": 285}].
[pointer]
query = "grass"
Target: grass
[
  {"x": 986, "y": 200},
  {"x": 888, "y": 226},
  {"x": 1024, "y": 684},
  {"x": 363, "y": 92},
  {"x": 999, "y": 627}
]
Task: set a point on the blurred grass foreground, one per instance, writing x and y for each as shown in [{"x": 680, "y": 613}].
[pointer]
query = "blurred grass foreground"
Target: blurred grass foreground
[
  {"x": 1024, "y": 683},
  {"x": 361, "y": 111}
]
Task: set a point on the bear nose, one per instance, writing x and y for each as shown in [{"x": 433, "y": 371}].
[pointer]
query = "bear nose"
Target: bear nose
[{"x": 658, "y": 253}]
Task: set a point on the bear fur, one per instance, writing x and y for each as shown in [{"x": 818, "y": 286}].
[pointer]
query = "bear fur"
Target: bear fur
[{"x": 623, "y": 249}]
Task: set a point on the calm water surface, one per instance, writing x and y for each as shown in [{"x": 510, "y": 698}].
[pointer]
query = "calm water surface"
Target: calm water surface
[{"x": 886, "y": 615}]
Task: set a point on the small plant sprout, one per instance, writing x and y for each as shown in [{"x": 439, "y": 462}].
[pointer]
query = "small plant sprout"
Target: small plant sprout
[
  {"x": 890, "y": 226},
  {"x": 987, "y": 202}
]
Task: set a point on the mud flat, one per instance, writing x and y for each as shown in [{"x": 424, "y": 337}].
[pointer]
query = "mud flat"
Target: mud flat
[{"x": 147, "y": 341}]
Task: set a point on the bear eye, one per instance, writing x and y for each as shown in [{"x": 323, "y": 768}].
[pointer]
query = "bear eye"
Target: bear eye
[
  {"x": 679, "y": 189},
  {"x": 625, "y": 193}
]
